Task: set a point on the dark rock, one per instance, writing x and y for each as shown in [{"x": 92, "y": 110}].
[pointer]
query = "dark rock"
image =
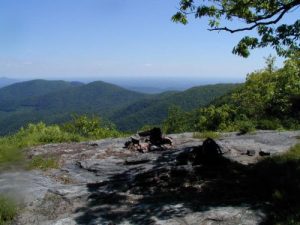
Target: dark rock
[
  {"x": 150, "y": 140},
  {"x": 262, "y": 153},
  {"x": 250, "y": 153},
  {"x": 135, "y": 139},
  {"x": 167, "y": 141},
  {"x": 127, "y": 144},
  {"x": 155, "y": 135},
  {"x": 153, "y": 148},
  {"x": 93, "y": 144},
  {"x": 210, "y": 148},
  {"x": 208, "y": 153},
  {"x": 136, "y": 162}
]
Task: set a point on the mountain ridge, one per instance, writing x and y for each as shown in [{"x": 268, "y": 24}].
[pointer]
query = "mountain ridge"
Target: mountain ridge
[{"x": 56, "y": 101}]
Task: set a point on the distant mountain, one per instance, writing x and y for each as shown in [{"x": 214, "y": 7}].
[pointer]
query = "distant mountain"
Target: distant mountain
[
  {"x": 97, "y": 97},
  {"x": 56, "y": 101},
  {"x": 13, "y": 95},
  {"x": 4, "y": 81},
  {"x": 154, "y": 110},
  {"x": 148, "y": 90}
]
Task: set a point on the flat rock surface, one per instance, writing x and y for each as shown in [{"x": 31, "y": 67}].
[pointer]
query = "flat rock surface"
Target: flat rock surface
[{"x": 100, "y": 182}]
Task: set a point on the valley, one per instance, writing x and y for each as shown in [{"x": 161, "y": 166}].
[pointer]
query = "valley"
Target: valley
[{"x": 56, "y": 101}]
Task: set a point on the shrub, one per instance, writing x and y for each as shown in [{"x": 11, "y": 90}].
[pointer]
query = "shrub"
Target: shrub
[
  {"x": 266, "y": 124},
  {"x": 82, "y": 125},
  {"x": 40, "y": 133},
  {"x": 54, "y": 134},
  {"x": 9, "y": 154},
  {"x": 290, "y": 123},
  {"x": 80, "y": 129},
  {"x": 8, "y": 210},
  {"x": 245, "y": 126},
  {"x": 215, "y": 118},
  {"x": 90, "y": 127}
]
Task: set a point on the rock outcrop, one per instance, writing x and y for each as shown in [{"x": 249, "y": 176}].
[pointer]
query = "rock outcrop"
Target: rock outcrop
[{"x": 100, "y": 182}]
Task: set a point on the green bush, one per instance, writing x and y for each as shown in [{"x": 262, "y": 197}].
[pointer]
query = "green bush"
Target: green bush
[
  {"x": 266, "y": 124},
  {"x": 90, "y": 128},
  {"x": 79, "y": 129},
  {"x": 54, "y": 134},
  {"x": 246, "y": 126},
  {"x": 9, "y": 154},
  {"x": 32, "y": 135},
  {"x": 8, "y": 210},
  {"x": 291, "y": 123},
  {"x": 40, "y": 133}
]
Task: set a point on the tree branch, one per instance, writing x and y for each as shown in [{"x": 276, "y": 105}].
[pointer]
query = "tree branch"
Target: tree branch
[
  {"x": 284, "y": 10},
  {"x": 287, "y": 6}
]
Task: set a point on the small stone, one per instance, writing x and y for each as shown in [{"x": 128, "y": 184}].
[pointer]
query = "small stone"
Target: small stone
[
  {"x": 94, "y": 144},
  {"x": 250, "y": 153}
]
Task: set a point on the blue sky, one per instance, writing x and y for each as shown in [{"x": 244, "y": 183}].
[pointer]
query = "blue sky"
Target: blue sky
[{"x": 111, "y": 39}]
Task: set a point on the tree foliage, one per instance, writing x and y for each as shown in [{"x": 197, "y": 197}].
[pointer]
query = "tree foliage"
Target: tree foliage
[
  {"x": 8, "y": 210},
  {"x": 269, "y": 99},
  {"x": 270, "y": 92},
  {"x": 264, "y": 16},
  {"x": 90, "y": 127}
]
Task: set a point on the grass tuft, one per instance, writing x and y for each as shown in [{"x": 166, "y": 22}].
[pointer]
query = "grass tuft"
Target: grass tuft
[
  {"x": 42, "y": 163},
  {"x": 8, "y": 210},
  {"x": 207, "y": 134}
]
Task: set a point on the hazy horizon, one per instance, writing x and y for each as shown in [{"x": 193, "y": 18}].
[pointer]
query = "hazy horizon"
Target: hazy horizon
[
  {"x": 161, "y": 84},
  {"x": 116, "y": 39}
]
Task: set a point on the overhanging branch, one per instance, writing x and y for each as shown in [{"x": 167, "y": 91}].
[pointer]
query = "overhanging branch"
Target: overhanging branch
[{"x": 259, "y": 20}]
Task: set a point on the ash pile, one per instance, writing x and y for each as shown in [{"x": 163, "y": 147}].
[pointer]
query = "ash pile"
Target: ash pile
[{"x": 150, "y": 140}]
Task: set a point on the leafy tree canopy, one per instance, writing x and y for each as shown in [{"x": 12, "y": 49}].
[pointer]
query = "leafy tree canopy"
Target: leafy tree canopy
[
  {"x": 264, "y": 16},
  {"x": 269, "y": 99}
]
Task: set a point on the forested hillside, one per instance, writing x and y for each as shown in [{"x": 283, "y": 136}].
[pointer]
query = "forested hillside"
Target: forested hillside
[
  {"x": 153, "y": 111},
  {"x": 13, "y": 95},
  {"x": 56, "y": 101},
  {"x": 269, "y": 99}
]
